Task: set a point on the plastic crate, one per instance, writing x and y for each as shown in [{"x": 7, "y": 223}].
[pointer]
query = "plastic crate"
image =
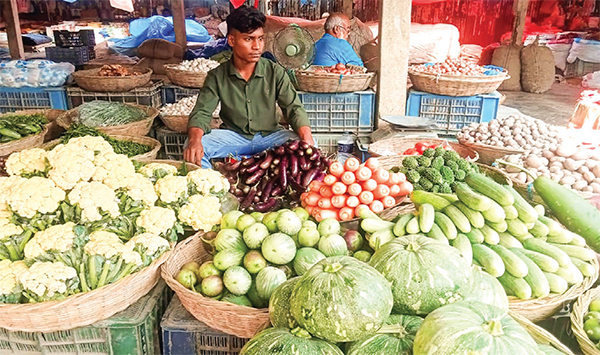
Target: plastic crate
[
  {"x": 148, "y": 95},
  {"x": 182, "y": 334},
  {"x": 452, "y": 113},
  {"x": 328, "y": 143},
  {"x": 560, "y": 326},
  {"x": 81, "y": 38},
  {"x": 13, "y": 99},
  {"x": 134, "y": 331},
  {"x": 348, "y": 112},
  {"x": 580, "y": 68},
  {"x": 172, "y": 143},
  {"x": 73, "y": 55},
  {"x": 174, "y": 93}
]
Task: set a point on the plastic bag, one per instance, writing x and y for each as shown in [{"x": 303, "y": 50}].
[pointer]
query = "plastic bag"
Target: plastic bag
[
  {"x": 560, "y": 52},
  {"x": 34, "y": 73},
  {"x": 586, "y": 50},
  {"x": 591, "y": 80}
]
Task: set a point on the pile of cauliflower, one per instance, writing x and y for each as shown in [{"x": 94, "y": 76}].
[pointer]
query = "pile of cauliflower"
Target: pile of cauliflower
[{"x": 80, "y": 217}]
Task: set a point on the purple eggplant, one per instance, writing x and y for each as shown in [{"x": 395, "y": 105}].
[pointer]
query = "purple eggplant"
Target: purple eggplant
[
  {"x": 238, "y": 193},
  {"x": 256, "y": 199},
  {"x": 304, "y": 145},
  {"x": 309, "y": 151},
  {"x": 315, "y": 155},
  {"x": 266, "y": 193},
  {"x": 308, "y": 176},
  {"x": 277, "y": 191},
  {"x": 233, "y": 166},
  {"x": 325, "y": 162},
  {"x": 282, "y": 172},
  {"x": 232, "y": 180},
  {"x": 320, "y": 176},
  {"x": 266, "y": 162},
  {"x": 303, "y": 163},
  {"x": 279, "y": 150},
  {"x": 268, "y": 205},
  {"x": 293, "y": 165},
  {"x": 248, "y": 199},
  {"x": 261, "y": 185},
  {"x": 245, "y": 189},
  {"x": 254, "y": 178},
  {"x": 300, "y": 153},
  {"x": 259, "y": 156},
  {"x": 253, "y": 168},
  {"x": 293, "y": 145},
  {"x": 248, "y": 162},
  {"x": 296, "y": 186}
]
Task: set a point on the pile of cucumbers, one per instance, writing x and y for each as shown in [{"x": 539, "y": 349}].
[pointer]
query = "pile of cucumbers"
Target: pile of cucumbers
[{"x": 15, "y": 127}]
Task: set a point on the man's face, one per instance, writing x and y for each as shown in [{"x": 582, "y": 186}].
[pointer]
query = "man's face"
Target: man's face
[
  {"x": 247, "y": 46},
  {"x": 342, "y": 31}
]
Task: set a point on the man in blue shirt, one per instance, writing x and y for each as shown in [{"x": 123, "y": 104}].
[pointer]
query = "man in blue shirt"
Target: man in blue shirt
[{"x": 333, "y": 48}]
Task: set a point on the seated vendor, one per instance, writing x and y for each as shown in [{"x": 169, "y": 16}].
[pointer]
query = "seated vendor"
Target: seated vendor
[
  {"x": 333, "y": 48},
  {"x": 248, "y": 87}
]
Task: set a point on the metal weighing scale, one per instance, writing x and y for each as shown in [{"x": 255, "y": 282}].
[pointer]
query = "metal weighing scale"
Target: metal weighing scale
[{"x": 405, "y": 126}]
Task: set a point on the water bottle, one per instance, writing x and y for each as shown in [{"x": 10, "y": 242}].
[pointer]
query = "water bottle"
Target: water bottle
[{"x": 345, "y": 147}]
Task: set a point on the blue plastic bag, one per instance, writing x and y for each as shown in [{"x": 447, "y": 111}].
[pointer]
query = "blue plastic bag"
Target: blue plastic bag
[{"x": 492, "y": 70}]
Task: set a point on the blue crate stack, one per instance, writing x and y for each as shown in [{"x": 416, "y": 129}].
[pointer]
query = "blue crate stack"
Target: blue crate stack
[{"x": 30, "y": 98}]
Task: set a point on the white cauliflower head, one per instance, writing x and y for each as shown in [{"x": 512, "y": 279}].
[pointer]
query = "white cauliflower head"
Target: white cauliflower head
[
  {"x": 141, "y": 189},
  {"x": 208, "y": 181},
  {"x": 26, "y": 197},
  {"x": 156, "y": 220},
  {"x": 93, "y": 198},
  {"x": 27, "y": 161},
  {"x": 58, "y": 238},
  {"x": 8, "y": 229},
  {"x": 71, "y": 164},
  {"x": 5, "y": 184},
  {"x": 201, "y": 212},
  {"x": 171, "y": 188},
  {"x": 149, "y": 246},
  {"x": 95, "y": 144},
  {"x": 160, "y": 169},
  {"x": 9, "y": 280},
  {"x": 49, "y": 280},
  {"x": 113, "y": 170},
  {"x": 108, "y": 245}
]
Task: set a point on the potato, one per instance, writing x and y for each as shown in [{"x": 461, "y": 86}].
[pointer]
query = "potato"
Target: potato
[
  {"x": 566, "y": 149},
  {"x": 595, "y": 187},
  {"x": 567, "y": 180},
  {"x": 534, "y": 161},
  {"x": 589, "y": 176},
  {"x": 582, "y": 154},
  {"x": 579, "y": 185},
  {"x": 596, "y": 170}
]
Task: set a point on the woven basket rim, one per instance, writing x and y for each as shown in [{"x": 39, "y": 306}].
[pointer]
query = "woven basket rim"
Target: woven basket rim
[
  {"x": 171, "y": 67},
  {"x": 176, "y": 122},
  {"x": 29, "y": 142},
  {"x": 580, "y": 309},
  {"x": 507, "y": 151},
  {"x": 149, "y": 141},
  {"x": 93, "y": 74},
  {"x": 540, "y": 332},
  {"x": 503, "y": 75},
  {"x": 65, "y": 120}
]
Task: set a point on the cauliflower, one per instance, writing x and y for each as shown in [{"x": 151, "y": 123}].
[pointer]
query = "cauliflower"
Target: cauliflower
[
  {"x": 95, "y": 144},
  {"x": 12, "y": 239},
  {"x": 29, "y": 161},
  {"x": 113, "y": 170},
  {"x": 10, "y": 289},
  {"x": 48, "y": 281},
  {"x": 141, "y": 189},
  {"x": 149, "y": 246},
  {"x": 58, "y": 243},
  {"x": 26, "y": 197},
  {"x": 94, "y": 198},
  {"x": 157, "y": 220},
  {"x": 5, "y": 185},
  {"x": 156, "y": 171},
  {"x": 201, "y": 212},
  {"x": 208, "y": 181},
  {"x": 4, "y": 212},
  {"x": 71, "y": 164},
  {"x": 171, "y": 188}
]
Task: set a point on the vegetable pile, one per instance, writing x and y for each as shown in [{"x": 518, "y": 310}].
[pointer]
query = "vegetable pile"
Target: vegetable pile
[
  {"x": 451, "y": 66},
  {"x": 129, "y": 148},
  {"x": 420, "y": 148},
  {"x": 104, "y": 114},
  {"x": 339, "y": 69},
  {"x": 116, "y": 70},
  {"x": 350, "y": 186},
  {"x": 14, "y": 127},
  {"x": 183, "y": 107},
  {"x": 3, "y": 167},
  {"x": 198, "y": 65},
  {"x": 591, "y": 320}
]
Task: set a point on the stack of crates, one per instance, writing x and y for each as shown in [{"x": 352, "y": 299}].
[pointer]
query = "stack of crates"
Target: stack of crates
[
  {"x": 147, "y": 95},
  {"x": 76, "y": 48},
  {"x": 32, "y": 98}
]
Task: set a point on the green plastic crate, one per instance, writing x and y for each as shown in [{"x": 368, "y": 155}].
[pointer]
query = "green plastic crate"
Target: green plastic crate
[{"x": 134, "y": 331}]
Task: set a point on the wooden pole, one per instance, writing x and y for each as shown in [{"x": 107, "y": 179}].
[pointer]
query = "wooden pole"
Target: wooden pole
[
  {"x": 347, "y": 8},
  {"x": 178, "y": 9},
  {"x": 394, "y": 45},
  {"x": 13, "y": 29},
  {"x": 520, "y": 11}
]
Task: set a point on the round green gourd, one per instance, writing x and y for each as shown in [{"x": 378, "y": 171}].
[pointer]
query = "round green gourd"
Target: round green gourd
[
  {"x": 424, "y": 273},
  {"x": 470, "y": 327},
  {"x": 487, "y": 289},
  {"x": 282, "y": 341},
  {"x": 305, "y": 259},
  {"x": 341, "y": 299},
  {"x": 396, "y": 337},
  {"x": 279, "y": 305}
]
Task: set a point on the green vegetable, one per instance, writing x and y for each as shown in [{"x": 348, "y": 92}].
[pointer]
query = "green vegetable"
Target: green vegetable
[
  {"x": 104, "y": 114},
  {"x": 490, "y": 188},
  {"x": 426, "y": 184},
  {"x": 437, "y": 163},
  {"x": 491, "y": 261},
  {"x": 279, "y": 305},
  {"x": 410, "y": 162},
  {"x": 413, "y": 176},
  {"x": 14, "y": 127},
  {"x": 424, "y": 161},
  {"x": 451, "y": 155},
  {"x": 128, "y": 148},
  {"x": 487, "y": 289},
  {"x": 429, "y": 152},
  {"x": 514, "y": 265},
  {"x": 395, "y": 337},
  {"x": 462, "y": 243},
  {"x": 515, "y": 286},
  {"x": 284, "y": 341},
  {"x": 433, "y": 175}
]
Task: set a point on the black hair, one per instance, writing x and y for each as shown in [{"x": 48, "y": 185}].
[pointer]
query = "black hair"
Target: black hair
[{"x": 245, "y": 19}]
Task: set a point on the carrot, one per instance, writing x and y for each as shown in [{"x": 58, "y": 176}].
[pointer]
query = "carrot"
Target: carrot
[
  {"x": 405, "y": 188},
  {"x": 324, "y": 203},
  {"x": 303, "y": 196},
  {"x": 346, "y": 214},
  {"x": 401, "y": 176},
  {"x": 338, "y": 201},
  {"x": 336, "y": 169},
  {"x": 339, "y": 188},
  {"x": 376, "y": 206},
  {"x": 352, "y": 164},
  {"x": 309, "y": 209},
  {"x": 369, "y": 185},
  {"x": 315, "y": 185},
  {"x": 388, "y": 201},
  {"x": 381, "y": 191},
  {"x": 352, "y": 201},
  {"x": 324, "y": 214},
  {"x": 312, "y": 199},
  {"x": 348, "y": 178},
  {"x": 363, "y": 174},
  {"x": 316, "y": 210},
  {"x": 358, "y": 208},
  {"x": 325, "y": 191},
  {"x": 372, "y": 164},
  {"x": 394, "y": 190},
  {"x": 381, "y": 176},
  {"x": 354, "y": 189},
  {"x": 330, "y": 180},
  {"x": 394, "y": 179},
  {"x": 366, "y": 197}
]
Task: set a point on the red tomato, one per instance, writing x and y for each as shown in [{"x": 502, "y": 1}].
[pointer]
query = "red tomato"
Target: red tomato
[
  {"x": 433, "y": 146},
  {"x": 340, "y": 66},
  {"x": 411, "y": 151},
  {"x": 421, "y": 146}
]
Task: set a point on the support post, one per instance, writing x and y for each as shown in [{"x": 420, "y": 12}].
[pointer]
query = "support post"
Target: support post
[
  {"x": 10, "y": 15},
  {"x": 520, "y": 10},
  {"x": 347, "y": 8},
  {"x": 394, "y": 46},
  {"x": 178, "y": 9}
]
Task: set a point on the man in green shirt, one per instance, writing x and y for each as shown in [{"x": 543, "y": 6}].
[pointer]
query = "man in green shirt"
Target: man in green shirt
[{"x": 248, "y": 88}]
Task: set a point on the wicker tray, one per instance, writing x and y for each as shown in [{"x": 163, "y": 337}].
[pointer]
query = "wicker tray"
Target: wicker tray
[
  {"x": 454, "y": 85},
  {"x": 138, "y": 128},
  {"x": 84, "y": 308},
  {"x": 540, "y": 335},
  {"x": 177, "y": 123},
  {"x": 243, "y": 322},
  {"x": 90, "y": 80},
  {"x": 184, "y": 78},
  {"x": 33, "y": 141},
  {"x": 580, "y": 309},
  {"x": 175, "y": 163},
  {"x": 488, "y": 154},
  {"x": 309, "y": 81},
  {"x": 142, "y": 140}
]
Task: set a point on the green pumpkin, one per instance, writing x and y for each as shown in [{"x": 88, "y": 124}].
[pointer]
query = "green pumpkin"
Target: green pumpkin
[
  {"x": 396, "y": 337},
  {"x": 282, "y": 341},
  {"x": 487, "y": 289},
  {"x": 470, "y": 327},
  {"x": 341, "y": 299},
  {"x": 279, "y": 305},
  {"x": 549, "y": 350},
  {"x": 425, "y": 274}
]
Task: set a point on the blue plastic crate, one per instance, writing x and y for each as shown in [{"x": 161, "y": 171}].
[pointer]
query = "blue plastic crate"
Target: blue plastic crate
[
  {"x": 452, "y": 113},
  {"x": 14, "y": 99},
  {"x": 338, "y": 113}
]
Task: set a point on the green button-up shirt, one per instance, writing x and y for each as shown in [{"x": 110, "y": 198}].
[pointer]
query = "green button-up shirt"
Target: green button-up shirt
[{"x": 248, "y": 107}]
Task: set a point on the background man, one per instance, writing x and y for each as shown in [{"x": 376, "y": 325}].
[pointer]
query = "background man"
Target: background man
[{"x": 333, "y": 47}]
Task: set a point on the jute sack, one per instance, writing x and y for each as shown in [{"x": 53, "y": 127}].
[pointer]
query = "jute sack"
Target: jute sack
[
  {"x": 157, "y": 64},
  {"x": 160, "y": 49},
  {"x": 509, "y": 58},
  {"x": 537, "y": 68}
]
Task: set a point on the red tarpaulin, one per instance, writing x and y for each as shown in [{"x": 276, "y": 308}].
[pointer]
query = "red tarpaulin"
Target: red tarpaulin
[
  {"x": 425, "y": 2},
  {"x": 238, "y": 3}
]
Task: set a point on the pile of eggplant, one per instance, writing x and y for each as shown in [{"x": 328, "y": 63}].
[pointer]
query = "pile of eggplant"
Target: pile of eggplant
[{"x": 275, "y": 178}]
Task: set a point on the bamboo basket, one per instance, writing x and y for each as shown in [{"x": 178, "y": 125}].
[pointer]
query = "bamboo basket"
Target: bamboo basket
[
  {"x": 138, "y": 128},
  {"x": 90, "y": 80},
  {"x": 393, "y": 147},
  {"x": 540, "y": 335},
  {"x": 542, "y": 308},
  {"x": 580, "y": 309},
  {"x": 177, "y": 123},
  {"x": 175, "y": 163},
  {"x": 456, "y": 85},
  {"x": 151, "y": 142},
  {"x": 186, "y": 78},
  {"x": 243, "y": 322},
  {"x": 54, "y": 130},
  {"x": 33, "y": 141},
  {"x": 84, "y": 308},
  {"x": 309, "y": 81},
  {"x": 488, "y": 154}
]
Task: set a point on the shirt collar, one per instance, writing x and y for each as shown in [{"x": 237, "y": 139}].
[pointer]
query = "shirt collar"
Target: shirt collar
[{"x": 259, "y": 71}]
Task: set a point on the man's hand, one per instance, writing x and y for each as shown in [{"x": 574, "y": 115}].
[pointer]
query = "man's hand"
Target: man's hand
[
  {"x": 305, "y": 134},
  {"x": 194, "y": 152}
]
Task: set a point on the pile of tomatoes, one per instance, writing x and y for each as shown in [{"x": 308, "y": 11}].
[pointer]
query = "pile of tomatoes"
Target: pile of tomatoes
[
  {"x": 420, "y": 147},
  {"x": 452, "y": 67},
  {"x": 339, "y": 68}
]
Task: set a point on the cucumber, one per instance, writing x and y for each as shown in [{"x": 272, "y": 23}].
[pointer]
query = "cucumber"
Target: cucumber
[
  {"x": 462, "y": 243},
  {"x": 510, "y": 212},
  {"x": 540, "y": 246},
  {"x": 557, "y": 283},
  {"x": 437, "y": 234},
  {"x": 577, "y": 239},
  {"x": 475, "y": 217},
  {"x": 586, "y": 269},
  {"x": 474, "y": 200},
  {"x": 490, "y": 236},
  {"x": 571, "y": 274},
  {"x": 535, "y": 276},
  {"x": 489, "y": 188},
  {"x": 458, "y": 218},
  {"x": 513, "y": 264},
  {"x": 495, "y": 214},
  {"x": 498, "y": 227},
  {"x": 521, "y": 238},
  {"x": 541, "y": 210},
  {"x": 475, "y": 236},
  {"x": 476, "y": 263},
  {"x": 554, "y": 228},
  {"x": 576, "y": 252},
  {"x": 419, "y": 197},
  {"x": 539, "y": 230},
  {"x": 515, "y": 286},
  {"x": 526, "y": 212},
  {"x": 508, "y": 241},
  {"x": 517, "y": 228},
  {"x": 412, "y": 227},
  {"x": 491, "y": 261},
  {"x": 400, "y": 226},
  {"x": 372, "y": 225},
  {"x": 426, "y": 217},
  {"x": 446, "y": 225},
  {"x": 565, "y": 237},
  {"x": 546, "y": 263},
  {"x": 452, "y": 198}
]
